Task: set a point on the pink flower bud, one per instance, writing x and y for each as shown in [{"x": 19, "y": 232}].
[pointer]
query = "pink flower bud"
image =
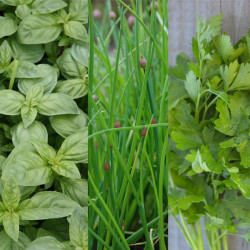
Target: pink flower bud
[
  {"x": 106, "y": 166},
  {"x": 95, "y": 97},
  {"x": 153, "y": 121},
  {"x": 97, "y": 14},
  {"x": 117, "y": 124},
  {"x": 143, "y": 62},
  {"x": 112, "y": 15},
  {"x": 96, "y": 144},
  {"x": 156, "y": 5},
  {"x": 144, "y": 132},
  {"x": 131, "y": 20}
]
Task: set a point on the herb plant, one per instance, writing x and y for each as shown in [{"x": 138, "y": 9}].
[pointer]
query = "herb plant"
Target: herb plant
[
  {"x": 209, "y": 151},
  {"x": 43, "y": 124},
  {"x": 128, "y": 130}
]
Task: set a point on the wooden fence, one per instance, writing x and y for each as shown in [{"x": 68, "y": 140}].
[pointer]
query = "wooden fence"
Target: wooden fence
[{"x": 182, "y": 27}]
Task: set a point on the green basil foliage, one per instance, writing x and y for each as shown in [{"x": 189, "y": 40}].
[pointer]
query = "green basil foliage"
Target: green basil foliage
[
  {"x": 43, "y": 124},
  {"x": 209, "y": 120}
]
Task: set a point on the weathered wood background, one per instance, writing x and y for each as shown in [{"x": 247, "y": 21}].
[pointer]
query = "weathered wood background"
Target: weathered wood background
[{"x": 182, "y": 26}]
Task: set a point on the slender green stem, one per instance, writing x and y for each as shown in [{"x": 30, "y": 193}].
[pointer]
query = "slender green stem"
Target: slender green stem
[{"x": 13, "y": 74}]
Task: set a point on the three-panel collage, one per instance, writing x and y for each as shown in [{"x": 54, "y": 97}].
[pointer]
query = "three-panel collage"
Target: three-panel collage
[{"x": 124, "y": 124}]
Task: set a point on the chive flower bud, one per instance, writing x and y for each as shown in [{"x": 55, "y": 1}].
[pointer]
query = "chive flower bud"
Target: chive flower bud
[
  {"x": 97, "y": 14},
  {"x": 112, "y": 15},
  {"x": 106, "y": 166},
  {"x": 143, "y": 62},
  {"x": 144, "y": 132},
  {"x": 117, "y": 124},
  {"x": 131, "y": 20},
  {"x": 156, "y": 5},
  {"x": 153, "y": 121}
]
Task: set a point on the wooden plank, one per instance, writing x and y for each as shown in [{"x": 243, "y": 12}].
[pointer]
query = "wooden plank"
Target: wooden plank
[
  {"x": 182, "y": 23},
  {"x": 236, "y": 18}
]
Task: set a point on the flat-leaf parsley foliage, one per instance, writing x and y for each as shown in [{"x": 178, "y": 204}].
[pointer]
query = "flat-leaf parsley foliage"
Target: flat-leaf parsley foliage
[
  {"x": 209, "y": 120},
  {"x": 43, "y": 124}
]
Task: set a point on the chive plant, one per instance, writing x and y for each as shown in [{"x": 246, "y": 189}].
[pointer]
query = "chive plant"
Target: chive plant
[{"x": 127, "y": 126}]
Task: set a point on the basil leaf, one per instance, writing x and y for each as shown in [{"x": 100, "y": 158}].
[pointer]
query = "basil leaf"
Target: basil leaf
[
  {"x": 20, "y": 134},
  {"x": 75, "y": 88},
  {"x": 10, "y": 102},
  {"x": 47, "y": 6},
  {"x": 38, "y": 28},
  {"x": 22, "y": 11},
  {"x": 66, "y": 125},
  {"x": 11, "y": 2},
  {"x": 8, "y": 26},
  {"x": 48, "y": 242},
  {"x": 11, "y": 194},
  {"x": 34, "y": 95},
  {"x": 27, "y": 167},
  {"x": 47, "y": 205},
  {"x": 24, "y": 70},
  {"x": 76, "y": 189},
  {"x": 30, "y": 53},
  {"x": 8, "y": 243},
  {"x": 5, "y": 55},
  {"x": 46, "y": 152},
  {"x": 75, "y": 30},
  {"x": 67, "y": 169},
  {"x": 78, "y": 228},
  {"x": 70, "y": 65},
  {"x": 48, "y": 81},
  {"x": 75, "y": 147},
  {"x": 78, "y": 10},
  {"x": 28, "y": 115},
  {"x": 57, "y": 104},
  {"x": 11, "y": 224}
]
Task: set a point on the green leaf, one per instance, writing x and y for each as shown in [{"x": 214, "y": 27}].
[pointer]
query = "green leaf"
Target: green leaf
[
  {"x": 78, "y": 228},
  {"x": 38, "y": 28},
  {"x": 11, "y": 2},
  {"x": 78, "y": 10},
  {"x": 28, "y": 115},
  {"x": 27, "y": 167},
  {"x": 192, "y": 85},
  {"x": 8, "y": 26},
  {"x": 11, "y": 194},
  {"x": 46, "y": 152},
  {"x": 232, "y": 118},
  {"x": 47, "y": 242},
  {"x": 73, "y": 62},
  {"x": 47, "y": 6},
  {"x": 30, "y": 53},
  {"x": 75, "y": 88},
  {"x": 75, "y": 147},
  {"x": 20, "y": 134},
  {"x": 48, "y": 81},
  {"x": 224, "y": 47},
  {"x": 10, "y": 102},
  {"x": 198, "y": 166},
  {"x": 228, "y": 73},
  {"x": 57, "y": 104},
  {"x": 76, "y": 30},
  {"x": 8, "y": 243},
  {"x": 24, "y": 70},
  {"x": 47, "y": 205},
  {"x": 66, "y": 125},
  {"x": 34, "y": 95},
  {"x": 23, "y": 11},
  {"x": 11, "y": 224},
  {"x": 242, "y": 81},
  {"x": 243, "y": 182},
  {"x": 76, "y": 189},
  {"x": 67, "y": 169},
  {"x": 5, "y": 54}
]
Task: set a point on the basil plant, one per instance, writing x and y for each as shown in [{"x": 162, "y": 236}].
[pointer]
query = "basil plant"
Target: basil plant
[{"x": 43, "y": 124}]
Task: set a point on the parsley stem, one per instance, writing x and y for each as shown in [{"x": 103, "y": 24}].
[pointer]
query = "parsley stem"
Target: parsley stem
[
  {"x": 201, "y": 245},
  {"x": 13, "y": 74},
  {"x": 224, "y": 240}
]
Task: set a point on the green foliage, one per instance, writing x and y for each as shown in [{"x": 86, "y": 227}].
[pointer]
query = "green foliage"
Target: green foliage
[
  {"x": 209, "y": 129},
  {"x": 43, "y": 124}
]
